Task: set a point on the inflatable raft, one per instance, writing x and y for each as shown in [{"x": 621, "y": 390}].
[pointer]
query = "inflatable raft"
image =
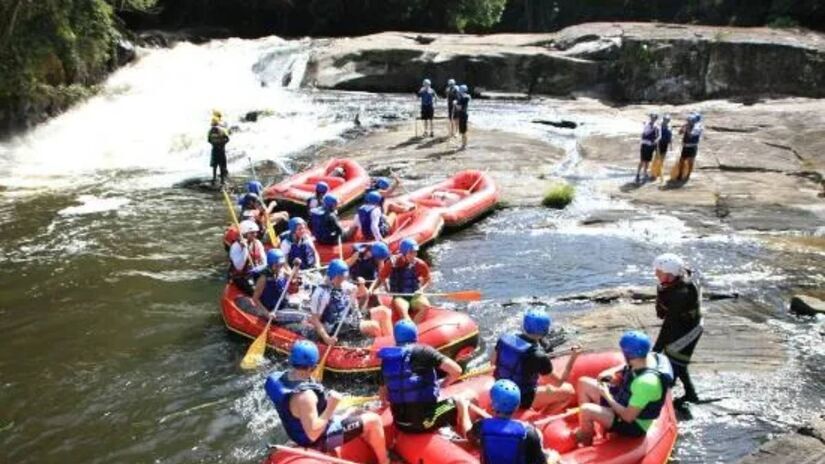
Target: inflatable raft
[
  {"x": 293, "y": 193},
  {"x": 433, "y": 448},
  {"x": 461, "y": 199},
  {"x": 421, "y": 224},
  {"x": 451, "y": 332}
]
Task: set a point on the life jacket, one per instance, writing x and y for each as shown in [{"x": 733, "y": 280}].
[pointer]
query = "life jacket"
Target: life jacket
[
  {"x": 692, "y": 136},
  {"x": 452, "y": 94},
  {"x": 273, "y": 289},
  {"x": 338, "y": 306},
  {"x": 462, "y": 104},
  {"x": 667, "y": 134},
  {"x": 255, "y": 257},
  {"x": 365, "y": 268},
  {"x": 663, "y": 370},
  {"x": 510, "y": 357},
  {"x": 649, "y": 134},
  {"x": 303, "y": 250},
  {"x": 404, "y": 385},
  {"x": 502, "y": 441},
  {"x": 313, "y": 202},
  {"x": 365, "y": 220},
  {"x": 279, "y": 388},
  {"x": 426, "y": 96},
  {"x": 319, "y": 223},
  {"x": 218, "y": 136},
  {"x": 404, "y": 279}
]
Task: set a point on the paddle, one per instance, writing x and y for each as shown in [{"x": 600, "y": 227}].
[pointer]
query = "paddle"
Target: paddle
[
  {"x": 463, "y": 295},
  {"x": 355, "y": 401},
  {"x": 270, "y": 231},
  {"x": 231, "y": 209},
  {"x": 256, "y": 350},
  {"x": 315, "y": 455},
  {"x": 318, "y": 373}
]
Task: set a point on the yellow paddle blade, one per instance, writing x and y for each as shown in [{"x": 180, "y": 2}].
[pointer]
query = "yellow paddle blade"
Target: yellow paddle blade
[
  {"x": 255, "y": 354},
  {"x": 466, "y": 295},
  {"x": 476, "y": 372},
  {"x": 355, "y": 401},
  {"x": 318, "y": 372}
]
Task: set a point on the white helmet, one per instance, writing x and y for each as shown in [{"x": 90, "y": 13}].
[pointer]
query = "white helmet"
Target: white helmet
[
  {"x": 653, "y": 116},
  {"x": 669, "y": 263},
  {"x": 248, "y": 226},
  {"x": 427, "y": 82},
  {"x": 450, "y": 81}
]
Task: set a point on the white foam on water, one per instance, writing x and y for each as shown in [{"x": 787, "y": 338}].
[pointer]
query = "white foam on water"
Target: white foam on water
[{"x": 90, "y": 204}]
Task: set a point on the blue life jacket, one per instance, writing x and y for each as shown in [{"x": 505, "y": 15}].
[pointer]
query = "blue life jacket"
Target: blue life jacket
[
  {"x": 320, "y": 223},
  {"x": 667, "y": 135},
  {"x": 313, "y": 202},
  {"x": 302, "y": 250},
  {"x": 273, "y": 289},
  {"x": 279, "y": 388},
  {"x": 404, "y": 279},
  {"x": 692, "y": 136},
  {"x": 337, "y": 307},
  {"x": 511, "y": 352},
  {"x": 649, "y": 134},
  {"x": 426, "y": 97},
  {"x": 462, "y": 103},
  {"x": 405, "y": 386},
  {"x": 663, "y": 370},
  {"x": 364, "y": 268},
  {"x": 502, "y": 441},
  {"x": 365, "y": 220}
]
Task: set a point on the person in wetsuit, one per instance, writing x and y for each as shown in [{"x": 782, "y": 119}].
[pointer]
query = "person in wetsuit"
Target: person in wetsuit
[
  {"x": 218, "y": 137},
  {"x": 678, "y": 304}
]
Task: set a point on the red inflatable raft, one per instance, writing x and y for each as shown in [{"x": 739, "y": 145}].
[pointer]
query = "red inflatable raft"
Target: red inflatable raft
[
  {"x": 432, "y": 448},
  {"x": 421, "y": 224},
  {"x": 460, "y": 199},
  {"x": 451, "y": 332},
  {"x": 293, "y": 193}
]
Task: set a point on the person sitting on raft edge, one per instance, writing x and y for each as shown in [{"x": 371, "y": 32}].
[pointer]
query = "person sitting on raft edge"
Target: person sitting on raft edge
[
  {"x": 307, "y": 409},
  {"x": 269, "y": 288},
  {"x": 522, "y": 358},
  {"x": 297, "y": 243},
  {"x": 625, "y": 399},
  {"x": 324, "y": 223},
  {"x": 366, "y": 263},
  {"x": 334, "y": 303},
  {"x": 409, "y": 382},
  {"x": 409, "y": 275},
  {"x": 247, "y": 257},
  {"x": 321, "y": 189},
  {"x": 372, "y": 221},
  {"x": 502, "y": 439}
]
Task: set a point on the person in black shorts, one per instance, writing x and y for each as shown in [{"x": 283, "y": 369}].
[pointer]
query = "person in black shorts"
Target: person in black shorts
[
  {"x": 409, "y": 382},
  {"x": 461, "y": 112},
  {"x": 691, "y": 135},
  {"x": 218, "y": 137},
  {"x": 451, "y": 94},
  {"x": 650, "y": 137},
  {"x": 428, "y": 97}
]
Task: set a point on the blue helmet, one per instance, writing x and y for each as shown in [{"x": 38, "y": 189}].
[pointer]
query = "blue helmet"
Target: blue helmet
[
  {"x": 408, "y": 245},
  {"x": 321, "y": 188},
  {"x": 463, "y": 88},
  {"x": 304, "y": 353},
  {"x": 505, "y": 396},
  {"x": 635, "y": 344},
  {"x": 337, "y": 268},
  {"x": 405, "y": 332},
  {"x": 537, "y": 322},
  {"x": 373, "y": 198},
  {"x": 382, "y": 183},
  {"x": 255, "y": 187},
  {"x": 380, "y": 250},
  {"x": 330, "y": 201},
  {"x": 294, "y": 223},
  {"x": 248, "y": 198},
  {"x": 694, "y": 118},
  {"x": 275, "y": 256}
]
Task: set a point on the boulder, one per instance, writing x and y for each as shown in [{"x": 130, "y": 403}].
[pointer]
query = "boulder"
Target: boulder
[{"x": 807, "y": 305}]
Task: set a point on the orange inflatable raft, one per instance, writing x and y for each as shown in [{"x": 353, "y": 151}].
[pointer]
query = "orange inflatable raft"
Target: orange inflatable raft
[
  {"x": 451, "y": 332},
  {"x": 461, "y": 199},
  {"x": 293, "y": 193},
  {"x": 433, "y": 448}
]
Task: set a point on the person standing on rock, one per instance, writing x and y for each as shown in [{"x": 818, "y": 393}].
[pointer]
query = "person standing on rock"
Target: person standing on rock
[
  {"x": 650, "y": 137},
  {"x": 218, "y": 137},
  {"x": 665, "y": 136},
  {"x": 428, "y": 98},
  {"x": 678, "y": 304},
  {"x": 462, "y": 112},
  {"x": 691, "y": 134},
  {"x": 451, "y": 93}
]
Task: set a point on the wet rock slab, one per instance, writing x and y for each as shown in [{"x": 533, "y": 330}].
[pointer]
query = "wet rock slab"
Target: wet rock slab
[{"x": 805, "y": 445}]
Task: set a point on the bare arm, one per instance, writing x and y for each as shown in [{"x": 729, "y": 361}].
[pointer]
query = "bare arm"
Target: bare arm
[
  {"x": 320, "y": 329},
  {"x": 568, "y": 367},
  {"x": 260, "y": 284},
  {"x": 626, "y": 413},
  {"x": 305, "y": 406},
  {"x": 452, "y": 369}
]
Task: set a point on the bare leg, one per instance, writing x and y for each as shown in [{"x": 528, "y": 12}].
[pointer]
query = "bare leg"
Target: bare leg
[
  {"x": 420, "y": 305},
  {"x": 374, "y": 435},
  {"x": 552, "y": 400},
  {"x": 688, "y": 170},
  {"x": 402, "y": 306},
  {"x": 382, "y": 316}
]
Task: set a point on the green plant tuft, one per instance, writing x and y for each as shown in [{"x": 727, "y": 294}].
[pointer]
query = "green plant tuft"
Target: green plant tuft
[{"x": 559, "y": 196}]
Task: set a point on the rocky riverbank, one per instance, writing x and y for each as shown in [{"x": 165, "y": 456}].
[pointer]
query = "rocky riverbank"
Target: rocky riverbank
[{"x": 619, "y": 61}]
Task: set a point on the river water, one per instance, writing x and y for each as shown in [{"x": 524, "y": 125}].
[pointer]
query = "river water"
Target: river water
[{"x": 113, "y": 349}]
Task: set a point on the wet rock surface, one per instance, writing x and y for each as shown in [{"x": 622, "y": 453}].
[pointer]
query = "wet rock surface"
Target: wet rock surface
[{"x": 806, "y": 444}]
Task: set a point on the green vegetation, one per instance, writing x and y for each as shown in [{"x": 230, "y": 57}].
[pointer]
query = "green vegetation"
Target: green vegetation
[
  {"x": 783, "y": 22},
  {"x": 559, "y": 196}
]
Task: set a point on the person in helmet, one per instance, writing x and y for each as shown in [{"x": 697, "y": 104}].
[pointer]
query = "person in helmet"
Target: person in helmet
[
  {"x": 339, "y": 172},
  {"x": 462, "y": 114},
  {"x": 406, "y": 273},
  {"x": 428, "y": 98},
  {"x": 627, "y": 399},
  {"x": 218, "y": 137},
  {"x": 665, "y": 137},
  {"x": 365, "y": 265},
  {"x": 271, "y": 290},
  {"x": 372, "y": 221},
  {"x": 409, "y": 382},
  {"x": 297, "y": 243},
  {"x": 691, "y": 135},
  {"x": 523, "y": 359},
  {"x": 502, "y": 439},
  {"x": 650, "y": 137},
  {"x": 334, "y": 302},
  {"x": 451, "y": 95},
  {"x": 321, "y": 189},
  {"x": 307, "y": 409},
  {"x": 253, "y": 209},
  {"x": 247, "y": 256},
  {"x": 324, "y": 223},
  {"x": 678, "y": 304}
]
